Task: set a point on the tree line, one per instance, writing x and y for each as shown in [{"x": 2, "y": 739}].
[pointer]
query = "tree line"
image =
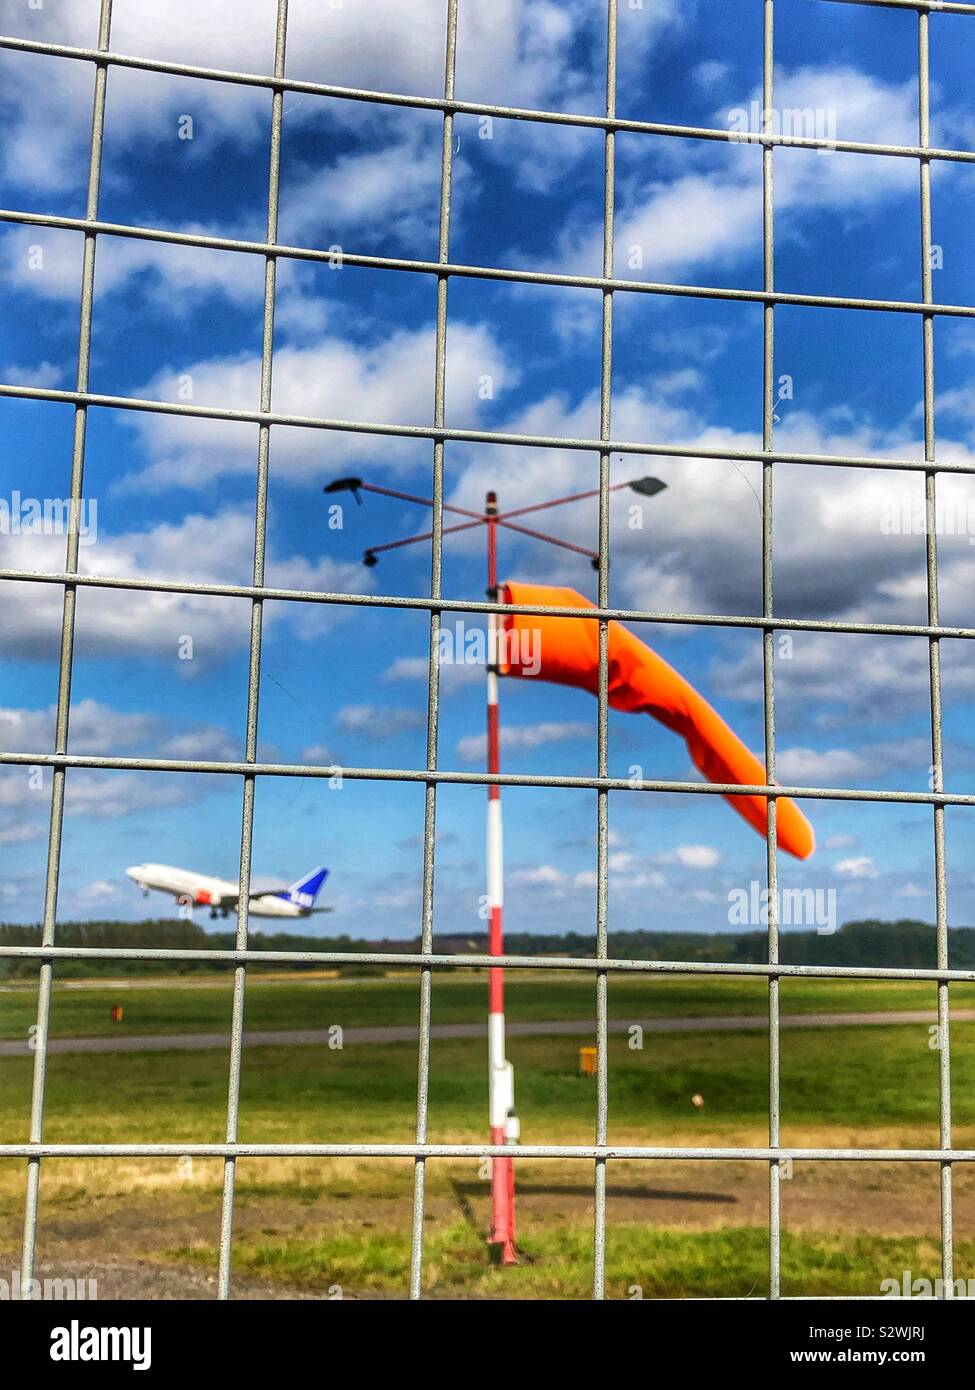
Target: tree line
[{"x": 904, "y": 943}]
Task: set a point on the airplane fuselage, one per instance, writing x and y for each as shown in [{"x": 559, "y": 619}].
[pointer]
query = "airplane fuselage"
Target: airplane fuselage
[{"x": 220, "y": 895}]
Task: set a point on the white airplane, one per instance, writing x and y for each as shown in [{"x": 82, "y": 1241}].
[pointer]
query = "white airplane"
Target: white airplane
[{"x": 221, "y": 895}]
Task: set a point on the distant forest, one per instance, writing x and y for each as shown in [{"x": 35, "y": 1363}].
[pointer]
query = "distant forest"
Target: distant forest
[{"x": 903, "y": 943}]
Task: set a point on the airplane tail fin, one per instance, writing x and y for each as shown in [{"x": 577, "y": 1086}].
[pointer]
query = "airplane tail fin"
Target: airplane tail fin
[{"x": 306, "y": 890}]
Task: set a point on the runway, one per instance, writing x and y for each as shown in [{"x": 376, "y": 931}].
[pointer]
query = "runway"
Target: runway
[{"x": 583, "y": 1028}]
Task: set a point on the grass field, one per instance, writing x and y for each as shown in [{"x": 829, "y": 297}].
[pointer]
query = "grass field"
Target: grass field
[
  {"x": 197, "y": 1005},
  {"x": 319, "y": 1225}
]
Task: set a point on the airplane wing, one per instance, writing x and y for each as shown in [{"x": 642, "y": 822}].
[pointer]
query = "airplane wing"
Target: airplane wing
[{"x": 222, "y": 893}]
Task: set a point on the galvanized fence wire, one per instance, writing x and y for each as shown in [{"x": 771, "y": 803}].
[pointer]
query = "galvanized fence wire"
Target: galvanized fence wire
[
  {"x": 426, "y": 961},
  {"x": 768, "y": 651}
]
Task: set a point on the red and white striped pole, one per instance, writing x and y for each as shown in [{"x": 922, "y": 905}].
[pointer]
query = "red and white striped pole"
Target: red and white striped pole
[{"x": 501, "y": 1085}]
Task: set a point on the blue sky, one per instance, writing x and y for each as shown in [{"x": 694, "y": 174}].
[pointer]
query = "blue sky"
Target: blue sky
[{"x": 175, "y": 496}]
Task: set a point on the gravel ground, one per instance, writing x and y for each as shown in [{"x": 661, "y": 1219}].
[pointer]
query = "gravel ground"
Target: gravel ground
[{"x": 142, "y": 1279}]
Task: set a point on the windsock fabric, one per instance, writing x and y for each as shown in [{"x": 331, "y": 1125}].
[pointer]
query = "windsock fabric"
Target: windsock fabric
[{"x": 566, "y": 652}]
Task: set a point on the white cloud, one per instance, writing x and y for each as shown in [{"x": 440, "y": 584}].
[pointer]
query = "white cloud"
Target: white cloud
[
  {"x": 837, "y": 559},
  {"x": 557, "y": 883},
  {"x": 391, "y": 381},
  {"x": 710, "y": 73},
  {"x": 377, "y": 721},
  {"x": 867, "y": 109},
  {"x": 627, "y": 878},
  {"x": 526, "y": 52},
  {"x": 397, "y": 899},
  {"x": 94, "y": 728},
  {"x": 207, "y": 743},
  {"x": 833, "y": 679},
  {"x": 300, "y": 316},
  {"x": 523, "y": 738},
  {"x": 519, "y": 50},
  {"x": 44, "y": 374},
  {"x": 697, "y": 856},
  {"x": 100, "y": 729},
  {"x": 634, "y": 883},
  {"x": 98, "y": 795},
  {"x": 407, "y": 668},
  {"x": 833, "y": 766},
  {"x": 862, "y": 866},
  {"x": 47, "y": 262},
  {"x": 454, "y": 675},
  {"x": 112, "y": 622},
  {"x": 350, "y": 197},
  {"x": 868, "y": 762},
  {"x": 835, "y": 555},
  {"x": 840, "y": 842},
  {"x": 675, "y": 226},
  {"x": 18, "y": 831},
  {"x": 318, "y": 753},
  {"x": 100, "y": 891},
  {"x": 699, "y": 549},
  {"x": 713, "y": 217},
  {"x": 544, "y": 876}
]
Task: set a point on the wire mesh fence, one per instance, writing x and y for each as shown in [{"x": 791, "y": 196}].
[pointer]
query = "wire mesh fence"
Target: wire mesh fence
[{"x": 426, "y": 961}]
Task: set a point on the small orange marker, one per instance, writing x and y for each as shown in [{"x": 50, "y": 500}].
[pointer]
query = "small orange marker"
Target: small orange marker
[{"x": 587, "y": 1061}]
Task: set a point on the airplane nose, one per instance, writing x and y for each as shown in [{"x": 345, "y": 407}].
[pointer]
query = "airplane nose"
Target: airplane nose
[{"x": 134, "y": 871}]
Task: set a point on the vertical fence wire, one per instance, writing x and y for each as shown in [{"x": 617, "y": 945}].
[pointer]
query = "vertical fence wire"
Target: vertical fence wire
[
  {"x": 768, "y": 651},
  {"x": 934, "y": 650},
  {"x": 433, "y": 672},
  {"x": 602, "y": 729},
  {"x": 66, "y": 657},
  {"x": 254, "y": 666}
]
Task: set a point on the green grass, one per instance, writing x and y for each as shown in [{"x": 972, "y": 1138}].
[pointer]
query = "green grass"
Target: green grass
[
  {"x": 855, "y": 1077},
  {"x": 730, "y": 1262},
  {"x": 352, "y": 1229},
  {"x": 457, "y": 997}
]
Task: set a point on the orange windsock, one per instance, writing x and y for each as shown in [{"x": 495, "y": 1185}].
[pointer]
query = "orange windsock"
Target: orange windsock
[{"x": 566, "y": 651}]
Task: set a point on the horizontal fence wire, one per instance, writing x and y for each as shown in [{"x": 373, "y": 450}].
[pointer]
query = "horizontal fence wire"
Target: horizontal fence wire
[
  {"x": 597, "y": 1152},
  {"x": 446, "y": 605},
  {"x": 338, "y": 257},
  {"x": 772, "y": 791},
  {"x": 474, "y": 108},
  {"x": 474, "y": 961},
  {"x": 427, "y": 959},
  {"x": 533, "y": 441},
  {"x": 530, "y": 441}
]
